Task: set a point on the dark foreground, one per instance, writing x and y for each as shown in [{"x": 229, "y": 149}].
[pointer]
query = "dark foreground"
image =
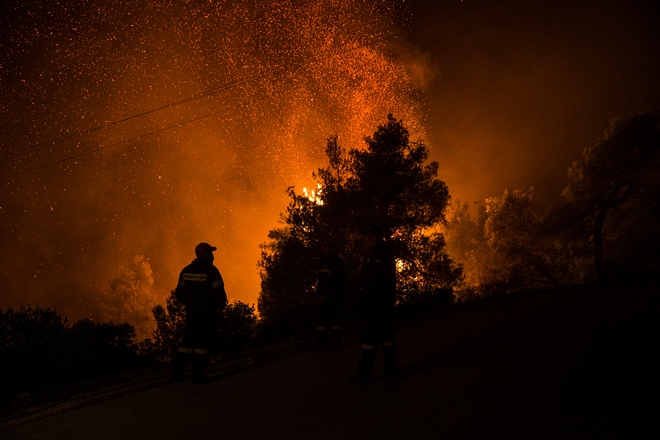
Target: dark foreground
[{"x": 578, "y": 364}]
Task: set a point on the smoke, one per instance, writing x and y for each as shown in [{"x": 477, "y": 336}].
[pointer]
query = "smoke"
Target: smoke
[
  {"x": 99, "y": 223},
  {"x": 516, "y": 102},
  {"x": 510, "y": 105},
  {"x": 131, "y": 297}
]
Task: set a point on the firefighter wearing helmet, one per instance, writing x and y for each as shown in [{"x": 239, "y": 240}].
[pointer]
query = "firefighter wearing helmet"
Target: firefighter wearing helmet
[
  {"x": 329, "y": 288},
  {"x": 377, "y": 274},
  {"x": 202, "y": 291}
]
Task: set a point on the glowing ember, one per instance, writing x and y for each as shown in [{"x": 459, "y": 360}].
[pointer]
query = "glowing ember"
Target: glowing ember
[
  {"x": 272, "y": 81},
  {"x": 314, "y": 195}
]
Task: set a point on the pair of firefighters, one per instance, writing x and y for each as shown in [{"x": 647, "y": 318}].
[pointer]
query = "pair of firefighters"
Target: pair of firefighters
[
  {"x": 202, "y": 291},
  {"x": 377, "y": 279}
]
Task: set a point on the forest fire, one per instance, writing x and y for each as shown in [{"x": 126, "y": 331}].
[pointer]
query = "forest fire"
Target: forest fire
[
  {"x": 314, "y": 195},
  {"x": 130, "y": 132},
  {"x": 139, "y": 130},
  {"x": 340, "y": 162}
]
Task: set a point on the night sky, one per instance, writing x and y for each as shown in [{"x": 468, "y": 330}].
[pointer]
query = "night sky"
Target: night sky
[{"x": 133, "y": 130}]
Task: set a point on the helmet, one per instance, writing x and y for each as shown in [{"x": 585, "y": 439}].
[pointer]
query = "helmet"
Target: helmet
[{"x": 203, "y": 249}]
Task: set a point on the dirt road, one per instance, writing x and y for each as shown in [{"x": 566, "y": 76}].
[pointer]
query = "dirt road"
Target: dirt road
[{"x": 578, "y": 364}]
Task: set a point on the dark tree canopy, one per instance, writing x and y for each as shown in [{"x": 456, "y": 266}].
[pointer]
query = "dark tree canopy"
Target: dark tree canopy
[
  {"x": 620, "y": 172},
  {"x": 39, "y": 348},
  {"x": 607, "y": 228},
  {"x": 388, "y": 184}
]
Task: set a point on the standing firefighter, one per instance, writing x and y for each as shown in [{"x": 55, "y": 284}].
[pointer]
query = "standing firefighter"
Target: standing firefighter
[
  {"x": 330, "y": 286},
  {"x": 202, "y": 292},
  {"x": 378, "y": 277}
]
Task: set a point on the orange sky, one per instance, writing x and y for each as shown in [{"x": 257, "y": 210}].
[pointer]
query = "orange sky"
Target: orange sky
[{"x": 506, "y": 96}]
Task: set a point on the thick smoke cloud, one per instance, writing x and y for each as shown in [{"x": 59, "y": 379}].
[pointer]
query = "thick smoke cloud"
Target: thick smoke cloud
[
  {"x": 92, "y": 222},
  {"x": 510, "y": 95},
  {"x": 514, "y": 103}
]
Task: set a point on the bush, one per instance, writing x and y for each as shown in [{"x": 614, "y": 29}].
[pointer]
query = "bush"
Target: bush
[
  {"x": 236, "y": 328},
  {"x": 235, "y": 331},
  {"x": 39, "y": 348}
]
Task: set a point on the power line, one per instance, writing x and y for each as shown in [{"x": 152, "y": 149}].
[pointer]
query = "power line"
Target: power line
[
  {"x": 473, "y": 29},
  {"x": 135, "y": 138},
  {"x": 208, "y": 93},
  {"x": 409, "y": 31}
]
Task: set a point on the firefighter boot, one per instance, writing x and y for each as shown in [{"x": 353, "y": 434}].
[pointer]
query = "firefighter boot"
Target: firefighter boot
[
  {"x": 336, "y": 337},
  {"x": 389, "y": 362},
  {"x": 179, "y": 366},
  {"x": 200, "y": 360}
]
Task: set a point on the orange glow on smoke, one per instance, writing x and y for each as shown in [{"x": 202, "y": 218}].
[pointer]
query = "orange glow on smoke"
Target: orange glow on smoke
[{"x": 285, "y": 76}]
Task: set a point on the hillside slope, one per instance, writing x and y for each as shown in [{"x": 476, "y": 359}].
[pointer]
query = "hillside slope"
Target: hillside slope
[{"x": 576, "y": 363}]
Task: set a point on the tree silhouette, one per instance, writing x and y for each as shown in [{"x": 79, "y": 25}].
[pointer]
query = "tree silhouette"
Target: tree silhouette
[
  {"x": 169, "y": 328},
  {"x": 237, "y": 326},
  {"x": 621, "y": 171},
  {"x": 388, "y": 184},
  {"x": 39, "y": 348}
]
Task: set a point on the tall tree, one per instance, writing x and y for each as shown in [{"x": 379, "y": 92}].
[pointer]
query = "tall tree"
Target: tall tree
[
  {"x": 388, "y": 183},
  {"x": 529, "y": 250},
  {"x": 620, "y": 167},
  {"x": 511, "y": 245}
]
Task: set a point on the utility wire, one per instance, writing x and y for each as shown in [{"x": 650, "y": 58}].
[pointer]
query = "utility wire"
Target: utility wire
[
  {"x": 411, "y": 30},
  {"x": 138, "y": 137},
  {"x": 77, "y": 134},
  {"x": 421, "y": 46},
  {"x": 216, "y": 90},
  {"x": 151, "y": 133}
]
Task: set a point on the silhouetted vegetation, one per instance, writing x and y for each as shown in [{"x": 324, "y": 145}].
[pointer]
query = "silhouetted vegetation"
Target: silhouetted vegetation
[
  {"x": 615, "y": 194},
  {"x": 39, "y": 348},
  {"x": 606, "y": 229},
  {"x": 388, "y": 184},
  {"x": 235, "y": 330}
]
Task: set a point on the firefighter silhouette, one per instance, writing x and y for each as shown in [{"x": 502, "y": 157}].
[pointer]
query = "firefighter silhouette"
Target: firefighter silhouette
[
  {"x": 330, "y": 289},
  {"x": 202, "y": 291},
  {"x": 377, "y": 276}
]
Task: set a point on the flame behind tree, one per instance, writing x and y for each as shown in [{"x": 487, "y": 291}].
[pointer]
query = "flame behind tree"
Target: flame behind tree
[
  {"x": 386, "y": 184},
  {"x": 257, "y": 86}
]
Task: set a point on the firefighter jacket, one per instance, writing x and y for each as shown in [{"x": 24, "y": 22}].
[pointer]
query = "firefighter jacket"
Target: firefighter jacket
[
  {"x": 201, "y": 289},
  {"x": 378, "y": 276},
  {"x": 332, "y": 276}
]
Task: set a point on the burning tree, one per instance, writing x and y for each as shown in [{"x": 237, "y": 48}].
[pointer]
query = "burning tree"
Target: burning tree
[{"x": 386, "y": 184}]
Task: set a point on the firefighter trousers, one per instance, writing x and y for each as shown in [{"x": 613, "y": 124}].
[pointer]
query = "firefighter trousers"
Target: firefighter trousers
[{"x": 377, "y": 330}]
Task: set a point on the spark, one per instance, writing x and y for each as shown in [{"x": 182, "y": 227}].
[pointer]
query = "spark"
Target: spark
[{"x": 286, "y": 75}]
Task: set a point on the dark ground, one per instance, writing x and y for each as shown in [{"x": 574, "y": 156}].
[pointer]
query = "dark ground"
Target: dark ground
[{"x": 578, "y": 364}]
